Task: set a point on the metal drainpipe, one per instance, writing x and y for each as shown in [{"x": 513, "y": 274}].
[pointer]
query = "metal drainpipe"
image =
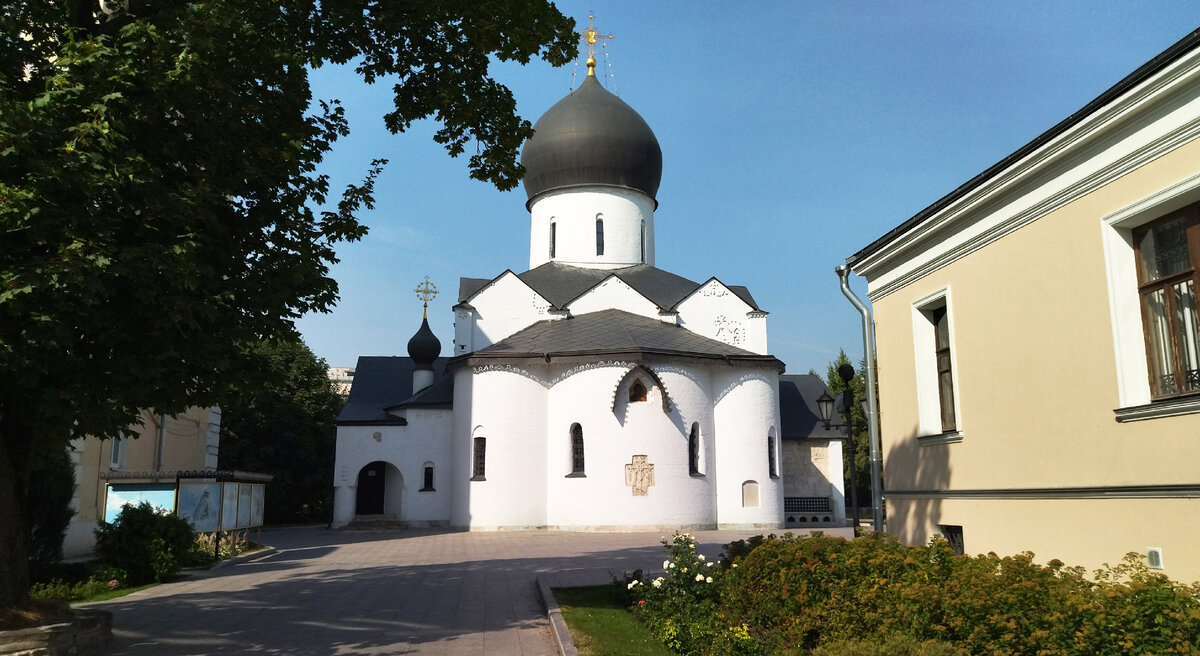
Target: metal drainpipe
[{"x": 868, "y": 330}]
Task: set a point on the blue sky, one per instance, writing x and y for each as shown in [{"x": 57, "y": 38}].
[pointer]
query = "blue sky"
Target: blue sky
[{"x": 793, "y": 134}]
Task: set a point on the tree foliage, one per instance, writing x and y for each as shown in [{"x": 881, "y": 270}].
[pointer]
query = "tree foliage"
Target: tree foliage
[
  {"x": 861, "y": 437},
  {"x": 159, "y": 201},
  {"x": 286, "y": 429}
]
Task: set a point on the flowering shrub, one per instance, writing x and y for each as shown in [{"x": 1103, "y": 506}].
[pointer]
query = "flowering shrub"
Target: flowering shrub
[{"x": 680, "y": 606}]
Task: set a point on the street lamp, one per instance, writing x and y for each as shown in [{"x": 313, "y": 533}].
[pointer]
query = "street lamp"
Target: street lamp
[{"x": 825, "y": 405}]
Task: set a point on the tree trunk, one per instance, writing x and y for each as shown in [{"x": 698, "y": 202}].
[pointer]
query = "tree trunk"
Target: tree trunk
[{"x": 14, "y": 531}]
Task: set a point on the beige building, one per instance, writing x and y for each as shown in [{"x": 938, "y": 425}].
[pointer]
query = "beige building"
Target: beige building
[
  {"x": 1036, "y": 339},
  {"x": 150, "y": 455}
]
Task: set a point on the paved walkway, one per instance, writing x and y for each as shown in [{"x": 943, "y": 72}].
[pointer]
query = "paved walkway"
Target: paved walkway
[{"x": 385, "y": 592}]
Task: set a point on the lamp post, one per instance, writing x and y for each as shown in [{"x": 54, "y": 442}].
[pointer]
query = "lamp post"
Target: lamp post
[{"x": 825, "y": 405}]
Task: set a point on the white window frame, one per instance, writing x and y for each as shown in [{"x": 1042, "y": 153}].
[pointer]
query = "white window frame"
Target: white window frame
[
  {"x": 1124, "y": 304},
  {"x": 929, "y": 404}
]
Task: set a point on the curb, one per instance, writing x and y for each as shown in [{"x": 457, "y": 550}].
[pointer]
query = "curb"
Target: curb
[
  {"x": 245, "y": 558},
  {"x": 558, "y": 626}
]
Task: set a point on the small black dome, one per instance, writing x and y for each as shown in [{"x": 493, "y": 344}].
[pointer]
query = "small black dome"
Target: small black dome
[
  {"x": 424, "y": 347},
  {"x": 591, "y": 137}
]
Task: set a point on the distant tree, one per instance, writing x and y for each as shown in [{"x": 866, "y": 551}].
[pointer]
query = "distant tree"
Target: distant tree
[
  {"x": 861, "y": 437},
  {"x": 159, "y": 201},
  {"x": 285, "y": 429}
]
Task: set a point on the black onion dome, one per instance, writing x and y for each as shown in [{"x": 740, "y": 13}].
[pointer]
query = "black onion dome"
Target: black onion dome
[
  {"x": 424, "y": 347},
  {"x": 591, "y": 137}
]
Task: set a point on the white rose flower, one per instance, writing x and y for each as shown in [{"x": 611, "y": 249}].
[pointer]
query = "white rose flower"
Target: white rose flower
[
  {"x": 629, "y": 587},
  {"x": 701, "y": 556},
  {"x": 708, "y": 579},
  {"x": 657, "y": 583},
  {"x": 672, "y": 566},
  {"x": 700, "y": 577},
  {"x": 733, "y": 565},
  {"x": 666, "y": 564},
  {"x": 708, "y": 564}
]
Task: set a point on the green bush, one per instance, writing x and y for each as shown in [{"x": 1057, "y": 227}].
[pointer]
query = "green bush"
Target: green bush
[
  {"x": 148, "y": 545},
  {"x": 799, "y": 594},
  {"x": 204, "y": 549},
  {"x": 58, "y": 590}
]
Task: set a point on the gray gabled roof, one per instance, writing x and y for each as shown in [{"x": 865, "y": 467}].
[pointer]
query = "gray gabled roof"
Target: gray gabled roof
[
  {"x": 611, "y": 332},
  {"x": 743, "y": 293},
  {"x": 562, "y": 283},
  {"x": 799, "y": 417},
  {"x": 468, "y": 286},
  {"x": 382, "y": 382}
]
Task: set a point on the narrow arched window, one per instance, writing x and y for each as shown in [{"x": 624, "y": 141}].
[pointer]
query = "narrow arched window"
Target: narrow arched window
[
  {"x": 576, "y": 449},
  {"x": 480, "y": 460},
  {"x": 771, "y": 465},
  {"x": 427, "y": 479},
  {"x": 599, "y": 236},
  {"x": 694, "y": 450},
  {"x": 637, "y": 392},
  {"x": 643, "y": 241},
  {"x": 553, "y": 237}
]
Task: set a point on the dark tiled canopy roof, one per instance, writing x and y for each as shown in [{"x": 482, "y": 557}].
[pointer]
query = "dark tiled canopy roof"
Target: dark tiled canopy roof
[
  {"x": 612, "y": 332},
  {"x": 799, "y": 417},
  {"x": 383, "y": 382}
]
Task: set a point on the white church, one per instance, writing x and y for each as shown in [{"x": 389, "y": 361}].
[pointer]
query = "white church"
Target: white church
[{"x": 592, "y": 391}]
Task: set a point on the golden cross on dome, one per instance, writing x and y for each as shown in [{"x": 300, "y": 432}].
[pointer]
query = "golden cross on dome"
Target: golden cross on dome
[
  {"x": 426, "y": 291},
  {"x": 590, "y": 37}
]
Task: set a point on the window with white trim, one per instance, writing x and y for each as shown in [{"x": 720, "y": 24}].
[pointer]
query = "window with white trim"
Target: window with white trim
[
  {"x": 933, "y": 345},
  {"x": 1167, "y": 252},
  {"x": 1151, "y": 309},
  {"x": 599, "y": 234},
  {"x": 553, "y": 238}
]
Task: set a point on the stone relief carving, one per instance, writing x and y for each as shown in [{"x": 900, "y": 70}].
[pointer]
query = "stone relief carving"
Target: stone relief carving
[
  {"x": 639, "y": 475},
  {"x": 728, "y": 330}
]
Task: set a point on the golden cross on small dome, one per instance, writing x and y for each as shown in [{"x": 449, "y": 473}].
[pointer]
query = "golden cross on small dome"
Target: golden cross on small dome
[
  {"x": 589, "y": 38},
  {"x": 426, "y": 291}
]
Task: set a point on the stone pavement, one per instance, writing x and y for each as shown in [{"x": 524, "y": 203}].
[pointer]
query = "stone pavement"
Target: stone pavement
[{"x": 381, "y": 592}]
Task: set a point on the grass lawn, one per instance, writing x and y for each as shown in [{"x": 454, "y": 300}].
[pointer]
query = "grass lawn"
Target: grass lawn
[{"x": 601, "y": 626}]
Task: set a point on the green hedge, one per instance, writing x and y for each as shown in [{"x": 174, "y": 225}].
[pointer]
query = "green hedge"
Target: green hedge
[
  {"x": 147, "y": 545},
  {"x": 796, "y": 595}
]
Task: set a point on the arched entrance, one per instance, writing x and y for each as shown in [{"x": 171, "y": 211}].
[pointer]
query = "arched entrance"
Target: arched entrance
[{"x": 372, "y": 489}]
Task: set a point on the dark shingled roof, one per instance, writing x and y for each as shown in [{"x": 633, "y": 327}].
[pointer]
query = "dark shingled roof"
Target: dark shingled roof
[
  {"x": 612, "y": 331},
  {"x": 799, "y": 417},
  {"x": 562, "y": 283},
  {"x": 744, "y": 294},
  {"x": 382, "y": 382},
  {"x": 468, "y": 286}
]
